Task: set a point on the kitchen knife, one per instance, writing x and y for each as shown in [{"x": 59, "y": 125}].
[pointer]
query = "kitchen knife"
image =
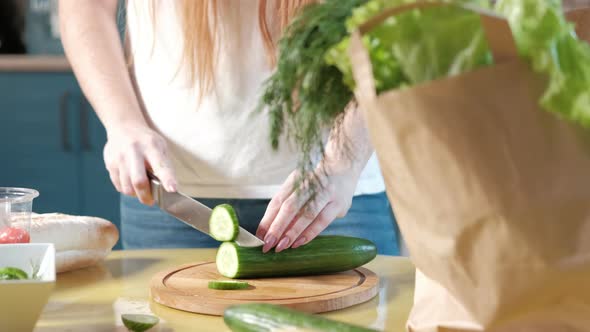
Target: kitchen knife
[{"x": 192, "y": 212}]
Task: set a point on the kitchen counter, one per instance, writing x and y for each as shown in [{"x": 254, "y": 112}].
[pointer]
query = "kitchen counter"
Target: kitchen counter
[
  {"x": 94, "y": 299},
  {"x": 34, "y": 63}
]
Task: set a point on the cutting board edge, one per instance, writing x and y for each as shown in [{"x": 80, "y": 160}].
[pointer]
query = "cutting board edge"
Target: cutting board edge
[{"x": 319, "y": 304}]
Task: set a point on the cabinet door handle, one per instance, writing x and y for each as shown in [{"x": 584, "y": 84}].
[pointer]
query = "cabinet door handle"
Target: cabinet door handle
[
  {"x": 84, "y": 112},
  {"x": 64, "y": 122}
]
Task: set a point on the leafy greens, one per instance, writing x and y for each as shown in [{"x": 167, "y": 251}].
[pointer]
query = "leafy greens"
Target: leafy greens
[
  {"x": 313, "y": 82},
  {"x": 550, "y": 44}
]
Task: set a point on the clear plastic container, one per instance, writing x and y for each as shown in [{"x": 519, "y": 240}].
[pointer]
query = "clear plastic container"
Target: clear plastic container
[{"x": 16, "y": 205}]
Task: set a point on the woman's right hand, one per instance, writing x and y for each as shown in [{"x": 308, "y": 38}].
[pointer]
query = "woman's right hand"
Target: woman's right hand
[
  {"x": 129, "y": 152},
  {"x": 88, "y": 31}
]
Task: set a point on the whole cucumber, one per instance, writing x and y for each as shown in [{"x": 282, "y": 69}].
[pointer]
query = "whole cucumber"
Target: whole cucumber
[
  {"x": 323, "y": 255},
  {"x": 261, "y": 317}
]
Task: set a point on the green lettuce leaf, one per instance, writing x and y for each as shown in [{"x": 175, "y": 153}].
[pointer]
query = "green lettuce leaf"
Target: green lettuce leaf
[
  {"x": 550, "y": 44},
  {"x": 416, "y": 46}
]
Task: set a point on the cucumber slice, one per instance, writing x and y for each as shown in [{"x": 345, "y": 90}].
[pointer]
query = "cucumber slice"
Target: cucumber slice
[
  {"x": 13, "y": 273},
  {"x": 138, "y": 322},
  {"x": 227, "y": 260},
  {"x": 223, "y": 223},
  {"x": 228, "y": 284}
]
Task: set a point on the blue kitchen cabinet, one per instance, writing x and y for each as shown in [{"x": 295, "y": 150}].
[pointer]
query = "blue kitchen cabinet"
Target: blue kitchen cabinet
[
  {"x": 51, "y": 140},
  {"x": 37, "y": 149}
]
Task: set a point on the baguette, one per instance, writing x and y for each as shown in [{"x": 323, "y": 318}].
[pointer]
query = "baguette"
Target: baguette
[{"x": 79, "y": 241}]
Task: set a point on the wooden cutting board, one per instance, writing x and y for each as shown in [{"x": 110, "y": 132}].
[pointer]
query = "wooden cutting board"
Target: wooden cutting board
[{"x": 186, "y": 288}]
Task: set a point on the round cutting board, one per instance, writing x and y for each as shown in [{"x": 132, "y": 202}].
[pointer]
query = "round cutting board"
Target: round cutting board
[{"x": 186, "y": 288}]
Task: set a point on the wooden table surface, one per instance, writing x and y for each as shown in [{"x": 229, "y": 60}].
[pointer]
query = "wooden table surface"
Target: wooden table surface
[{"x": 94, "y": 299}]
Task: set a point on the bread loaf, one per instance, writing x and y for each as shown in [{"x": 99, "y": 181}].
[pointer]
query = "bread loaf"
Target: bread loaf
[{"x": 79, "y": 241}]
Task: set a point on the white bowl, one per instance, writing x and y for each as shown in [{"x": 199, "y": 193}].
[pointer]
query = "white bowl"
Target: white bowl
[{"x": 22, "y": 301}]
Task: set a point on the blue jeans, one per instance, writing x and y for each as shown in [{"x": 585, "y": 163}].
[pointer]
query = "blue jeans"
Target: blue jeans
[{"x": 144, "y": 227}]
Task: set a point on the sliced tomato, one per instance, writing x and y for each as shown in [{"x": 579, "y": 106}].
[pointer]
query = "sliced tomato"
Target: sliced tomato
[{"x": 14, "y": 235}]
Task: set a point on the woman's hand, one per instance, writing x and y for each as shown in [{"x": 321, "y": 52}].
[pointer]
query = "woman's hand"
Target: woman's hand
[
  {"x": 129, "y": 152},
  {"x": 292, "y": 219},
  {"x": 94, "y": 48}
]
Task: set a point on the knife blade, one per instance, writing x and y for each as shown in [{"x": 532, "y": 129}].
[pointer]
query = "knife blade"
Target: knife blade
[{"x": 192, "y": 212}]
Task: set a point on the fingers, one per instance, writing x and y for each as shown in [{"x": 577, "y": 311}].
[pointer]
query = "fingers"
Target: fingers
[
  {"x": 289, "y": 210},
  {"x": 274, "y": 206},
  {"x": 127, "y": 155},
  {"x": 138, "y": 177},
  {"x": 160, "y": 165},
  {"x": 112, "y": 168},
  {"x": 114, "y": 175},
  {"x": 269, "y": 215},
  {"x": 328, "y": 214},
  {"x": 298, "y": 226},
  {"x": 125, "y": 181}
]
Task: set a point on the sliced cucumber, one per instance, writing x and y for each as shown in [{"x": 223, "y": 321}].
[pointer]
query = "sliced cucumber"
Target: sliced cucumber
[
  {"x": 324, "y": 254},
  {"x": 223, "y": 223},
  {"x": 227, "y": 260},
  {"x": 228, "y": 284},
  {"x": 138, "y": 322},
  {"x": 13, "y": 273}
]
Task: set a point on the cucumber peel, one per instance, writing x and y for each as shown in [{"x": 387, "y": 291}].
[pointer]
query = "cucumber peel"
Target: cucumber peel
[
  {"x": 228, "y": 284},
  {"x": 13, "y": 273},
  {"x": 223, "y": 223},
  {"x": 254, "y": 317},
  {"x": 138, "y": 322}
]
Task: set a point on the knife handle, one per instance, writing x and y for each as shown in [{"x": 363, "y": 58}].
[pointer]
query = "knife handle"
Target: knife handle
[
  {"x": 151, "y": 175},
  {"x": 155, "y": 186}
]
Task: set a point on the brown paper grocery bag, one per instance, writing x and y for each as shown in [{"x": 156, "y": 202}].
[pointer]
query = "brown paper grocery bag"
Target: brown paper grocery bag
[{"x": 492, "y": 194}]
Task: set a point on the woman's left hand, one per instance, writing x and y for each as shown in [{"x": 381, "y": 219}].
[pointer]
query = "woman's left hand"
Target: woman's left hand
[{"x": 292, "y": 219}]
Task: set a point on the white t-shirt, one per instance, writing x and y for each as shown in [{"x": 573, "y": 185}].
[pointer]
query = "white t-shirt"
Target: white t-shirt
[{"x": 220, "y": 148}]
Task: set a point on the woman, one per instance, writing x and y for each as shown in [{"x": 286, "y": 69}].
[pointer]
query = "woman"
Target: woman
[{"x": 185, "y": 112}]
